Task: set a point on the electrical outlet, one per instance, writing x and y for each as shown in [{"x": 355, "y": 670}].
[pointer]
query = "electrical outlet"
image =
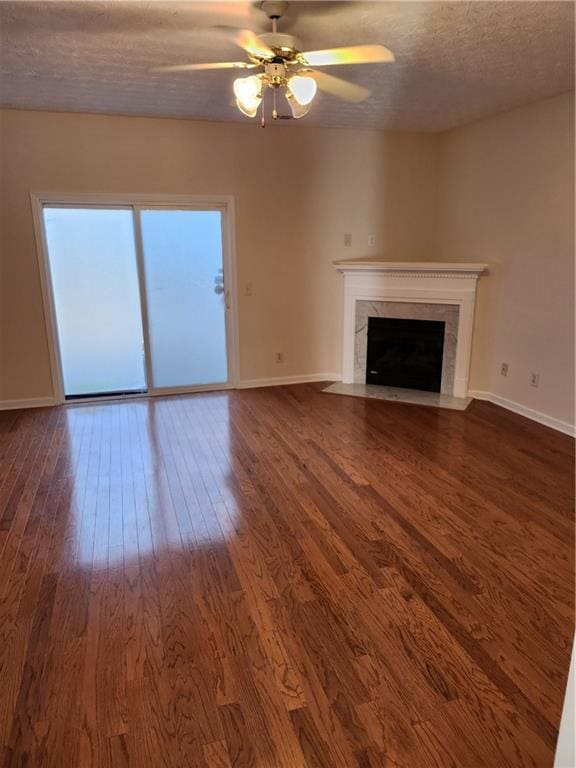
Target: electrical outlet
[
  {"x": 347, "y": 239},
  {"x": 504, "y": 369},
  {"x": 371, "y": 241},
  {"x": 279, "y": 357},
  {"x": 534, "y": 379}
]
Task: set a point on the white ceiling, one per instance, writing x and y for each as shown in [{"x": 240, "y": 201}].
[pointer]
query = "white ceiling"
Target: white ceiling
[{"x": 455, "y": 62}]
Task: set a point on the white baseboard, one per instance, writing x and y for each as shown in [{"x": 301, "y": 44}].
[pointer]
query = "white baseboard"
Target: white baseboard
[
  {"x": 522, "y": 410},
  {"x": 31, "y": 402},
  {"x": 276, "y": 381}
]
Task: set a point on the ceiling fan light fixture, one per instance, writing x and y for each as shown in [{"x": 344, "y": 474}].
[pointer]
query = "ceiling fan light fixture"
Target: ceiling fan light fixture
[
  {"x": 250, "y": 110},
  {"x": 288, "y": 71},
  {"x": 248, "y": 92},
  {"x": 303, "y": 89},
  {"x": 298, "y": 110}
]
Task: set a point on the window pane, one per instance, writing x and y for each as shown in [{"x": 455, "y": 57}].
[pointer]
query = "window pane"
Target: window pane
[
  {"x": 184, "y": 290},
  {"x": 96, "y": 294}
]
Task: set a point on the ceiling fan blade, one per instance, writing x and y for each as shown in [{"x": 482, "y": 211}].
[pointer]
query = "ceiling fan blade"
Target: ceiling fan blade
[
  {"x": 353, "y": 54},
  {"x": 338, "y": 87},
  {"x": 208, "y": 65},
  {"x": 252, "y": 44}
]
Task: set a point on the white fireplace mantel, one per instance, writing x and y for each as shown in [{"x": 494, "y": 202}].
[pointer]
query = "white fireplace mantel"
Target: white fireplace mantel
[{"x": 412, "y": 282}]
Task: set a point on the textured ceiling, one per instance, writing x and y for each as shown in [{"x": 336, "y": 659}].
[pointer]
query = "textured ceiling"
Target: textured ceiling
[{"x": 455, "y": 62}]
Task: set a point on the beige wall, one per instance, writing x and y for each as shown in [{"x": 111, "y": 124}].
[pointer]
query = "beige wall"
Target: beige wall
[
  {"x": 506, "y": 196},
  {"x": 297, "y": 190},
  {"x": 500, "y": 190}
]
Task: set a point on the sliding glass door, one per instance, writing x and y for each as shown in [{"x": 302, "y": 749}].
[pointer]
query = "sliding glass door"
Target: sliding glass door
[
  {"x": 186, "y": 304},
  {"x": 139, "y": 298},
  {"x": 96, "y": 300}
]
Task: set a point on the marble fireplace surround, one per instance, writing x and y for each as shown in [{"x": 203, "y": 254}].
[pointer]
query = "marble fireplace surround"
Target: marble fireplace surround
[{"x": 411, "y": 290}]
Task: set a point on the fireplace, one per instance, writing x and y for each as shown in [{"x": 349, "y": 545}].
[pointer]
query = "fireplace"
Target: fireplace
[
  {"x": 405, "y": 353},
  {"x": 440, "y": 292}
]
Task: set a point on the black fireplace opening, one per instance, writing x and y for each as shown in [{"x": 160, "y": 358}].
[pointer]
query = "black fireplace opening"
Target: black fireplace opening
[{"x": 405, "y": 353}]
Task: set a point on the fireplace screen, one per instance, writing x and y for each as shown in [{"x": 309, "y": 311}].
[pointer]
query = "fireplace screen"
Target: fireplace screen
[{"x": 405, "y": 353}]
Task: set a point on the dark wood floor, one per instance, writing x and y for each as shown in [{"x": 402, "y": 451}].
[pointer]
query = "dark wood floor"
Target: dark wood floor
[{"x": 282, "y": 578}]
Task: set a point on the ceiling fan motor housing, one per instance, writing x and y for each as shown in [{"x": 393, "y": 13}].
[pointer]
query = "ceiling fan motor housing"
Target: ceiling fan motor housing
[
  {"x": 286, "y": 46},
  {"x": 276, "y": 72}
]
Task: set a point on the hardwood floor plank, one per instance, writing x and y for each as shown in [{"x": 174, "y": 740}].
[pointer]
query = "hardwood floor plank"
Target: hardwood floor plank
[
  {"x": 238, "y": 743},
  {"x": 279, "y": 578},
  {"x": 216, "y": 755},
  {"x": 316, "y": 750}
]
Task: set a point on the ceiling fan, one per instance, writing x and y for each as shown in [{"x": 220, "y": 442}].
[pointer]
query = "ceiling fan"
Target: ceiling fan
[{"x": 286, "y": 69}]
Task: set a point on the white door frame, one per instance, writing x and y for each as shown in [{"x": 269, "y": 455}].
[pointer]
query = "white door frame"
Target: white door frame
[{"x": 136, "y": 202}]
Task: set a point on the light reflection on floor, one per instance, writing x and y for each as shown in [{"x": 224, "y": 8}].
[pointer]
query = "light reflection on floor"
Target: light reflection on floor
[{"x": 142, "y": 479}]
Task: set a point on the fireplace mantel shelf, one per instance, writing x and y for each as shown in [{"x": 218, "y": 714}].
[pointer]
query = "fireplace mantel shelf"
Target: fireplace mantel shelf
[{"x": 413, "y": 268}]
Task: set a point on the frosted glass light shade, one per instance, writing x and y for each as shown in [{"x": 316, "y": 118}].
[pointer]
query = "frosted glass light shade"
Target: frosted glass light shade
[
  {"x": 302, "y": 88},
  {"x": 249, "y": 111},
  {"x": 298, "y": 110},
  {"x": 248, "y": 92}
]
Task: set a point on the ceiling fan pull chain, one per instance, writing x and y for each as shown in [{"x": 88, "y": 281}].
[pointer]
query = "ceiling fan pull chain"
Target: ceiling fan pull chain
[{"x": 262, "y": 103}]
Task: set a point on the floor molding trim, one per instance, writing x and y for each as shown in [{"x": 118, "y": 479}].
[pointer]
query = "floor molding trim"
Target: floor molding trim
[
  {"x": 276, "y": 381},
  {"x": 31, "y": 402},
  {"x": 522, "y": 410}
]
